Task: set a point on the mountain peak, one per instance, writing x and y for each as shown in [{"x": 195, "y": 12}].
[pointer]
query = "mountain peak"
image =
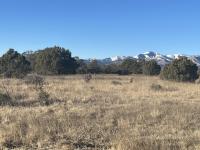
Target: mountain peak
[
  {"x": 146, "y": 55},
  {"x": 150, "y": 53},
  {"x": 162, "y": 60}
]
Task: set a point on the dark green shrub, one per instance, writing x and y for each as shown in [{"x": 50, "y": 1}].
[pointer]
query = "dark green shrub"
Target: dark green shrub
[
  {"x": 151, "y": 68},
  {"x": 132, "y": 66},
  {"x": 198, "y": 72},
  {"x": 82, "y": 69},
  {"x": 116, "y": 83},
  {"x": 111, "y": 68},
  {"x": 13, "y": 64},
  {"x": 156, "y": 87},
  {"x": 123, "y": 72},
  {"x": 181, "y": 69},
  {"x": 54, "y": 60},
  {"x": 94, "y": 67}
]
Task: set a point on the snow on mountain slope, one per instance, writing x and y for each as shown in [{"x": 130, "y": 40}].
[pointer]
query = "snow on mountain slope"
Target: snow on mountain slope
[
  {"x": 159, "y": 58},
  {"x": 117, "y": 58},
  {"x": 195, "y": 59}
]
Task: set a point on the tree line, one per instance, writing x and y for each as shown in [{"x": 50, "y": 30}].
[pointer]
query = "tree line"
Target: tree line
[{"x": 58, "y": 61}]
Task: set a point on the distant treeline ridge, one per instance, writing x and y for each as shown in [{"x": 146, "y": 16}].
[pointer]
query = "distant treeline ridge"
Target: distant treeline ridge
[{"x": 58, "y": 61}]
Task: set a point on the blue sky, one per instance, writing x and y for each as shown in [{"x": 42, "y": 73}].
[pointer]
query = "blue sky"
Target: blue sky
[{"x": 101, "y": 28}]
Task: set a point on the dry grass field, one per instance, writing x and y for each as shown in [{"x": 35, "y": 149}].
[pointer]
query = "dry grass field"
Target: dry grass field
[{"x": 109, "y": 112}]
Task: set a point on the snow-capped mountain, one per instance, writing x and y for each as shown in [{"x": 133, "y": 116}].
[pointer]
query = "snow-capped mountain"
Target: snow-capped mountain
[
  {"x": 195, "y": 59},
  {"x": 118, "y": 58},
  {"x": 165, "y": 59},
  {"x": 161, "y": 59}
]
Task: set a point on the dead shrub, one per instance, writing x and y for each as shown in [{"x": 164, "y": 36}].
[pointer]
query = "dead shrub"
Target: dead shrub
[
  {"x": 131, "y": 80},
  {"x": 12, "y": 143},
  {"x": 87, "y": 78},
  {"x": 44, "y": 98},
  {"x": 116, "y": 83},
  {"x": 36, "y": 80},
  {"x": 156, "y": 87}
]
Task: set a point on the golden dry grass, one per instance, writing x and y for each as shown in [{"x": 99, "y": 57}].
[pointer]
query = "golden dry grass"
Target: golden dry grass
[{"x": 107, "y": 113}]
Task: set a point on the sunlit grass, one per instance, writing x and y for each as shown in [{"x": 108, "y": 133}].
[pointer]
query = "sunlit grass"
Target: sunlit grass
[{"x": 109, "y": 112}]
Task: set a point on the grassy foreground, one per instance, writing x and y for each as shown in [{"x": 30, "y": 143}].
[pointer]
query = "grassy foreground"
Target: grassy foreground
[{"x": 109, "y": 112}]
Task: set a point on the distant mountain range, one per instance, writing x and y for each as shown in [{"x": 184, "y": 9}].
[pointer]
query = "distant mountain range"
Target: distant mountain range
[{"x": 162, "y": 60}]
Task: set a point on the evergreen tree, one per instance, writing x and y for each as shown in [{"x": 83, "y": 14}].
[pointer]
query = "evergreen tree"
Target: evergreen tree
[
  {"x": 94, "y": 67},
  {"x": 13, "y": 64},
  {"x": 151, "y": 68},
  {"x": 181, "y": 69},
  {"x": 55, "y": 60},
  {"x": 112, "y": 69},
  {"x": 132, "y": 66}
]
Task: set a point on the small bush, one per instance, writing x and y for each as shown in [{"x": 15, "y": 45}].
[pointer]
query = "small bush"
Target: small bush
[
  {"x": 87, "y": 78},
  {"x": 38, "y": 81},
  {"x": 34, "y": 79},
  {"x": 44, "y": 99},
  {"x": 12, "y": 143},
  {"x": 116, "y": 83},
  {"x": 5, "y": 100},
  {"x": 13, "y": 74},
  {"x": 131, "y": 80},
  {"x": 123, "y": 72},
  {"x": 156, "y": 87},
  {"x": 14, "y": 65}
]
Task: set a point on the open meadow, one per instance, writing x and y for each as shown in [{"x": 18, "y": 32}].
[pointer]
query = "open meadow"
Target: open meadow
[{"x": 108, "y": 112}]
